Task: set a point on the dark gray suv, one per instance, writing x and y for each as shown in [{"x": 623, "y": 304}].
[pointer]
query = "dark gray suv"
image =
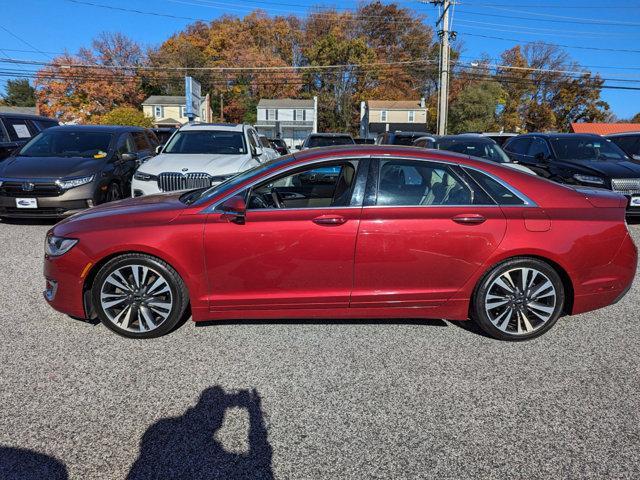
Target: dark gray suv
[{"x": 64, "y": 170}]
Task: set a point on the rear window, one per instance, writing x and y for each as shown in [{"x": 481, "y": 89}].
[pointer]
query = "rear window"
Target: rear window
[
  {"x": 329, "y": 141},
  {"x": 501, "y": 194}
]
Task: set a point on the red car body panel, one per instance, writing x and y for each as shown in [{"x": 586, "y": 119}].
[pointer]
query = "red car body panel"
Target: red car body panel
[{"x": 378, "y": 262}]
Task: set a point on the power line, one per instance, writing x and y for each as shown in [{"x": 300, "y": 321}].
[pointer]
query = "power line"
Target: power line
[
  {"x": 578, "y": 47},
  {"x": 580, "y": 21}
]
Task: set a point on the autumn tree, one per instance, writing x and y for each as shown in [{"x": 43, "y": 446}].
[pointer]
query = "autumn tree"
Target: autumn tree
[
  {"x": 546, "y": 90},
  {"x": 87, "y": 85},
  {"x": 128, "y": 116},
  {"x": 19, "y": 93}
]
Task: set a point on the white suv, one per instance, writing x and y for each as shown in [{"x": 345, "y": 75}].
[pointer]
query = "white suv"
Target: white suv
[{"x": 199, "y": 155}]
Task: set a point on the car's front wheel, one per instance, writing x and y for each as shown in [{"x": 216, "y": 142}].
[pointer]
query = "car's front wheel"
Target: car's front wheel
[
  {"x": 518, "y": 299},
  {"x": 139, "y": 296}
]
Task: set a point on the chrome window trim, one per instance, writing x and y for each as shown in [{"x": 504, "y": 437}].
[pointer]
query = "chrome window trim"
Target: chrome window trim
[
  {"x": 527, "y": 201},
  {"x": 214, "y": 208}
]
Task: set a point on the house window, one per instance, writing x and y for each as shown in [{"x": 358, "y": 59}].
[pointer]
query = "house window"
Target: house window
[
  {"x": 299, "y": 115},
  {"x": 383, "y": 115},
  {"x": 412, "y": 116},
  {"x": 272, "y": 114},
  {"x": 158, "y": 111}
]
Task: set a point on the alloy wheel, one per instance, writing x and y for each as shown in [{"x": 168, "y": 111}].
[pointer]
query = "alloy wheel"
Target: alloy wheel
[
  {"x": 520, "y": 301},
  {"x": 136, "y": 298}
]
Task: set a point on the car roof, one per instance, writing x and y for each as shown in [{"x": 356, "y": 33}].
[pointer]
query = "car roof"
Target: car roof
[
  {"x": 226, "y": 127},
  {"x": 27, "y": 116},
  {"x": 623, "y": 134},
  {"x": 98, "y": 128},
  {"x": 558, "y": 134},
  {"x": 329, "y": 134},
  {"x": 468, "y": 136}
]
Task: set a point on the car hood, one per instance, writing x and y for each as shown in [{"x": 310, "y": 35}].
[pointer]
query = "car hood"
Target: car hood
[
  {"x": 48, "y": 167},
  {"x": 135, "y": 212},
  {"x": 195, "y": 163},
  {"x": 626, "y": 169}
]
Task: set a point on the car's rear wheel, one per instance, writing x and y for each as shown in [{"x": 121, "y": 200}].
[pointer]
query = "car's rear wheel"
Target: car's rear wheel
[
  {"x": 518, "y": 299},
  {"x": 139, "y": 296},
  {"x": 113, "y": 193}
]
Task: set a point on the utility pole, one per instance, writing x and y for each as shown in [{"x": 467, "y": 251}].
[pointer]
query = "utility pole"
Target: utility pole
[{"x": 445, "y": 34}]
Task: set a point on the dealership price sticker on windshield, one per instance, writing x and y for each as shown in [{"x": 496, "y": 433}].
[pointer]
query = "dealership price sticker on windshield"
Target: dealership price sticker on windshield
[
  {"x": 22, "y": 131},
  {"x": 26, "y": 203}
]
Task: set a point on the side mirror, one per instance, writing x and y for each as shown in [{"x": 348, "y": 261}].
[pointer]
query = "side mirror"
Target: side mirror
[
  {"x": 159, "y": 149},
  {"x": 129, "y": 157},
  {"x": 234, "y": 209}
]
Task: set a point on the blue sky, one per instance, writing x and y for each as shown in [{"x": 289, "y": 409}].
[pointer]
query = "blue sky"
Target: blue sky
[{"x": 52, "y": 26}]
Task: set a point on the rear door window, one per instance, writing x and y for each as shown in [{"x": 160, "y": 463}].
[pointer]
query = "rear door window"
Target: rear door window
[
  {"x": 418, "y": 183},
  {"x": 500, "y": 193},
  {"x": 538, "y": 149}
]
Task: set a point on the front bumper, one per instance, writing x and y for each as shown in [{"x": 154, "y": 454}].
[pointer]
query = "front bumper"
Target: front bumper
[
  {"x": 69, "y": 202},
  {"x": 64, "y": 281},
  {"x": 140, "y": 188}
]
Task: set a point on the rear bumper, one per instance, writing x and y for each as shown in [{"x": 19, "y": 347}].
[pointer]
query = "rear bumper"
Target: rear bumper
[
  {"x": 607, "y": 284},
  {"x": 64, "y": 282}
]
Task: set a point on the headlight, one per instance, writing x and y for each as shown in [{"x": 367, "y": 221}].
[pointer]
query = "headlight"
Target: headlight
[
  {"x": 74, "y": 182},
  {"x": 56, "y": 246},
  {"x": 589, "y": 179},
  {"x": 220, "y": 178},
  {"x": 145, "y": 177}
]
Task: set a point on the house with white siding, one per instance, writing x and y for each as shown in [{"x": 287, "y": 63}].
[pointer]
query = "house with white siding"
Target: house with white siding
[{"x": 290, "y": 119}]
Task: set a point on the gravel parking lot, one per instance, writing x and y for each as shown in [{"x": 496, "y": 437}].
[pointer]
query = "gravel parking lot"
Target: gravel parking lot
[{"x": 317, "y": 400}]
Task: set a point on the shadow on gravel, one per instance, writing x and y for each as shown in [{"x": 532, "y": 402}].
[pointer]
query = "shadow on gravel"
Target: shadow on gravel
[
  {"x": 23, "y": 464},
  {"x": 185, "y": 447},
  {"x": 328, "y": 321},
  {"x": 30, "y": 221}
]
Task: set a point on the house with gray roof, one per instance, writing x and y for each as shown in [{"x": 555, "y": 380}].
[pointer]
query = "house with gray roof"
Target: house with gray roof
[{"x": 290, "y": 119}]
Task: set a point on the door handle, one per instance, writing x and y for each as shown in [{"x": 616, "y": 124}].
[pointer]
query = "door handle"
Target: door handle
[
  {"x": 329, "y": 220},
  {"x": 469, "y": 219}
]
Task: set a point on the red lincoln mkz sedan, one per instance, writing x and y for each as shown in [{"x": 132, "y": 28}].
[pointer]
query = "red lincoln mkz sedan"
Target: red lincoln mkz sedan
[{"x": 348, "y": 232}]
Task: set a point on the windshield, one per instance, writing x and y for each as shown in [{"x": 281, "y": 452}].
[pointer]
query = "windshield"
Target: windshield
[
  {"x": 475, "y": 148},
  {"x": 65, "y": 143},
  {"x": 405, "y": 139},
  {"x": 207, "y": 141},
  {"x": 329, "y": 141},
  {"x": 587, "y": 148}
]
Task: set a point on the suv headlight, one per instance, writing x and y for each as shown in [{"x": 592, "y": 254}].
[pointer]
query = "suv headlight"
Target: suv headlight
[
  {"x": 145, "y": 177},
  {"x": 74, "y": 182},
  {"x": 56, "y": 246},
  {"x": 589, "y": 179}
]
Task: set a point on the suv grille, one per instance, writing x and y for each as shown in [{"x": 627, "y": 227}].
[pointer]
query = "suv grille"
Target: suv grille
[
  {"x": 15, "y": 189},
  {"x": 170, "y": 181},
  {"x": 626, "y": 185}
]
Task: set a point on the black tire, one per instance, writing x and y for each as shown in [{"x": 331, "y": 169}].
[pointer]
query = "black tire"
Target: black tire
[
  {"x": 479, "y": 311},
  {"x": 113, "y": 193},
  {"x": 178, "y": 294}
]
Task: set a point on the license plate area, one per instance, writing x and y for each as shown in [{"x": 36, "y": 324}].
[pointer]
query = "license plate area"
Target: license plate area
[{"x": 26, "y": 203}]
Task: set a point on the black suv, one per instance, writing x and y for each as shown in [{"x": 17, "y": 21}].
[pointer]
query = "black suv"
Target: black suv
[
  {"x": 399, "y": 138},
  {"x": 66, "y": 169},
  {"x": 629, "y": 142},
  {"x": 16, "y": 129},
  {"x": 579, "y": 159},
  {"x": 327, "y": 140}
]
